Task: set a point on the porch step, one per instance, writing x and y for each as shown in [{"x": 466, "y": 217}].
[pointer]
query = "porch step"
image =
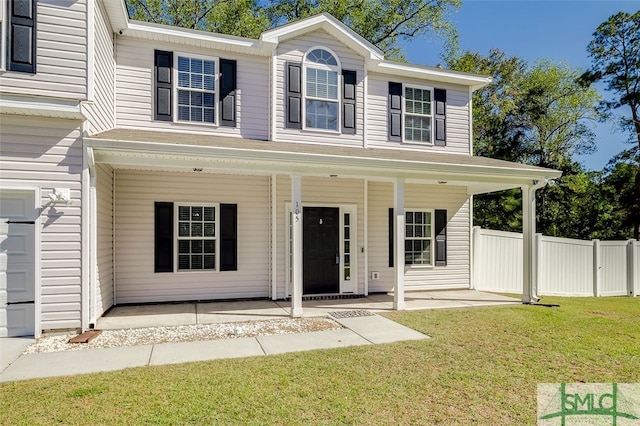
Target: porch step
[
  {"x": 85, "y": 337},
  {"x": 332, "y": 296}
]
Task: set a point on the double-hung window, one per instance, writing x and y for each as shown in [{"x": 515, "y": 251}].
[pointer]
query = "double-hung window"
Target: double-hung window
[
  {"x": 418, "y": 117},
  {"x": 322, "y": 97},
  {"x": 418, "y": 244},
  {"x": 197, "y": 237},
  {"x": 196, "y": 89}
]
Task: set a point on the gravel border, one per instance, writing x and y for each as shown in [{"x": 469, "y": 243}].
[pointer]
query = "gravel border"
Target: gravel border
[{"x": 183, "y": 333}]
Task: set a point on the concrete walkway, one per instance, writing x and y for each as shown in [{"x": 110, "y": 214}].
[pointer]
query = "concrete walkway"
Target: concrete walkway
[{"x": 360, "y": 330}]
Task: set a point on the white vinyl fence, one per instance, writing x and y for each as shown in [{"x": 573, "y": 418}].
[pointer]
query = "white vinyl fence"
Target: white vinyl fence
[{"x": 563, "y": 266}]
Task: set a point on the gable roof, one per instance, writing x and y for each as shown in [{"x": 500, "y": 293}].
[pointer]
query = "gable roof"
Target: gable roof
[{"x": 329, "y": 24}]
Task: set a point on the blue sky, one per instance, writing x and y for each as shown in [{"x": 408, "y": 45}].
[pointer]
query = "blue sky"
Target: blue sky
[{"x": 531, "y": 30}]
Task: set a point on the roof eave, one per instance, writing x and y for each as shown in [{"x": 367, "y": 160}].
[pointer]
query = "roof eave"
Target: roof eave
[
  {"x": 474, "y": 81},
  {"x": 167, "y": 33},
  {"x": 146, "y": 153},
  {"x": 331, "y": 25}
]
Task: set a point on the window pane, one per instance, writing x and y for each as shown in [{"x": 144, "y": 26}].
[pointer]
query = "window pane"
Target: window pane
[
  {"x": 209, "y": 246},
  {"x": 409, "y": 231},
  {"x": 196, "y": 65},
  {"x": 209, "y": 262},
  {"x": 184, "y": 213},
  {"x": 184, "y": 229},
  {"x": 183, "y": 262},
  {"x": 196, "y": 261},
  {"x": 196, "y": 229},
  {"x": 322, "y": 115},
  {"x": 347, "y": 233},
  {"x": 196, "y": 246},
  {"x": 183, "y": 246},
  {"x": 209, "y": 230}
]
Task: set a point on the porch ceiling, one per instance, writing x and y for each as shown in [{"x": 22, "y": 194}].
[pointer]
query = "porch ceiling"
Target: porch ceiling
[{"x": 212, "y": 153}]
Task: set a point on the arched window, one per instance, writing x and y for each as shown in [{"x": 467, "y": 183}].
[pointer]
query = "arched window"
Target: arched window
[{"x": 322, "y": 97}]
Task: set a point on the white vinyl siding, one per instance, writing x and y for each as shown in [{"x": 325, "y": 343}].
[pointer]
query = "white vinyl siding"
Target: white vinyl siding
[
  {"x": 135, "y": 87},
  {"x": 293, "y": 51},
  {"x": 61, "y": 61},
  {"x": 455, "y": 201},
  {"x": 319, "y": 191},
  {"x": 48, "y": 153},
  {"x": 104, "y": 273},
  {"x": 457, "y": 126},
  {"x": 101, "y": 112},
  {"x": 135, "y": 194}
]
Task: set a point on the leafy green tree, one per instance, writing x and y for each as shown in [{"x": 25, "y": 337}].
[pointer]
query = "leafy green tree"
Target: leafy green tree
[
  {"x": 383, "y": 22},
  {"x": 535, "y": 114},
  {"x": 615, "y": 56}
]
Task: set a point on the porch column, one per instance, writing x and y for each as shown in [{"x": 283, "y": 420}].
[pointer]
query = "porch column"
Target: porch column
[
  {"x": 399, "y": 231},
  {"x": 296, "y": 237},
  {"x": 529, "y": 261}
]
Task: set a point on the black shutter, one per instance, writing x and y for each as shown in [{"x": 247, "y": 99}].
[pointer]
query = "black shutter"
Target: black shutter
[
  {"x": 391, "y": 241},
  {"x": 440, "y": 97},
  {"x": 228, "y": 237},
  {"x": 228, "y": 92},
  {"x": 163, "y": 67},
  {"x": 294, "y": 96},
  {"x": 163, "y": 240},
  {"x": 349, "y": 102},
  {"x": 21, "y": 37},
  {"x": 395, "y": 111},
  {"x": 441, "y": 237}
]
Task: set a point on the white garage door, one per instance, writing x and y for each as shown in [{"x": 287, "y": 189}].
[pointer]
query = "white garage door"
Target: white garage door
[{"x": 17, "y": 263}]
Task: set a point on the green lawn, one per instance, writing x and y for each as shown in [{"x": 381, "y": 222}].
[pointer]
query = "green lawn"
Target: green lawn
[{"x": 482, "y": 366}]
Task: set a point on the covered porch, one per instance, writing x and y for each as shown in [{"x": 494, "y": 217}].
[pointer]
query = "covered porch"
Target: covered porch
[{"x": 284, "y": 179}]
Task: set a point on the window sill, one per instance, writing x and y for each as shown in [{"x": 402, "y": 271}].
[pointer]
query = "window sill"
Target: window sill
[
  {"x": 321, "y": 131},
  {"x": 416, "y": 143},
  {"x": 196, "y": 123}
]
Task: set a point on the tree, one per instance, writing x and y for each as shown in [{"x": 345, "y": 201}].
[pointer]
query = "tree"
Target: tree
[
  {"x": 535, "y": 114},
  {"x": 615, "y": 56},
  {"x": 383, "y": 22}
]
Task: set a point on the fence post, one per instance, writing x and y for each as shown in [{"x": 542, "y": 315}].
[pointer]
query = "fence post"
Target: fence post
[
  {"x": 475, "y": 267},
  {"x": 538, "y": 266},
  {"x": 597, "y": 268},
  {"x": 632, "y": 268}
]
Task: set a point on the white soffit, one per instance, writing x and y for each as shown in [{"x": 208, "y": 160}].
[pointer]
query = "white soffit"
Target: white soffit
[
  {"x": 40, "y": 106},
  {"x": 474, "y": 81},
  {"x": 169, "y": 34}
]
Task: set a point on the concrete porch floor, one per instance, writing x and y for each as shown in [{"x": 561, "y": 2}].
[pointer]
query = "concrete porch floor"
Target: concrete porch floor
[{"x": 172, "y": 314}]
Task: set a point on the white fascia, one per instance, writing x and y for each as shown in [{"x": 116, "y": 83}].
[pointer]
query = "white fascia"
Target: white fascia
[
  {"x": 130, "y": 153},
  {"x": 331, "y": 25},
  {"x": 474, "y": 81},
  {"x": 148, "y": 30},
  {"x": 40, "y": 106}
]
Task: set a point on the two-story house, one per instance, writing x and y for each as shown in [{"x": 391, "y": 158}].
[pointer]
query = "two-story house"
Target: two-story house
[{"x": 146, "y": 163}]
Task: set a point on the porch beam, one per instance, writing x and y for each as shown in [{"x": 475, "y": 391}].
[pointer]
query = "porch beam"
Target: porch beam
[
  {"x": 296, "y": 237},
  {"x": 398, "y": 231}
]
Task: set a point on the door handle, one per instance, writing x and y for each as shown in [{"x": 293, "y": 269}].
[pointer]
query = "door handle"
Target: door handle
[{"x": 337, "y": 259}]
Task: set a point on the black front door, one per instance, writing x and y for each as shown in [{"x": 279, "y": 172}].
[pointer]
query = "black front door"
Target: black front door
[{"x": 321, "y": 250}]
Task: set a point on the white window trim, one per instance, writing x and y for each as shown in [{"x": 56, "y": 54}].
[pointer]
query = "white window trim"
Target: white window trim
[
  {"x": 338, "y": 69},
  {"x": 432, "y": 212},
  {"x": 3, "y": 34},
  {"x": 216, "y": 92},
  {"x": 406, "y": 86},
  {"x": 345, "y": 287},
  {"x": 177, "y": 238}
]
